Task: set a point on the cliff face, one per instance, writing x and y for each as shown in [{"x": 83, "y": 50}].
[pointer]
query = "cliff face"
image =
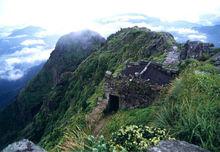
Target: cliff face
[{"x": 70, "y": 51}]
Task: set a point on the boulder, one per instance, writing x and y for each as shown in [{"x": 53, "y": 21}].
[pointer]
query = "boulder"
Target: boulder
[
  {"x": 176, "y": 146},
  {"x": 108, "y": 74},
  {"x": 216, "y": 59},
  {"x": 23, "y": 145}
]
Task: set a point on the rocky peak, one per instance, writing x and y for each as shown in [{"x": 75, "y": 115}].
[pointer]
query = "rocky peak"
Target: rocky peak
[
  {"x": 141, "y": 40},
  {"x": 70, "y": 50},
  {"x": 77, "y": 40}
]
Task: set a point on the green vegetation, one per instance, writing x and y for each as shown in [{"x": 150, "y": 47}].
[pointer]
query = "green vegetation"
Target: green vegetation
[
  {"x": 87, "y": 80},
  {"x": 159, "y": 58},
  {"x": 128, "y": 117},
  {"x": 139, "y": 138},
  {"x": 128, "y": 138},
  {"x": 76, "y": 140},
  {"x": 52, "y": 109},
  {"x": 41, "y": 101},
  {"x": 191, "y": 109}
]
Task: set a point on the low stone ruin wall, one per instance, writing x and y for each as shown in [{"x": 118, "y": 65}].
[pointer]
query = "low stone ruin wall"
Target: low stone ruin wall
[{"x": 131, "y": 93}]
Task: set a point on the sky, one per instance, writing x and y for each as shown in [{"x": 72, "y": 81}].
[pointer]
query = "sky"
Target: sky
[
  {"x": 104, "y": 16},
  {"x": 64, "y": 15}
]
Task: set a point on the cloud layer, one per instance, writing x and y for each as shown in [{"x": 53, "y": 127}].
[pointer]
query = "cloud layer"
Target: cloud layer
[
  {"x": 78, "y": 14},
  {"x": 182, "y": 31},
  {"x": 20, "y": 51},
  {"x": 15, "y": 65},
  {"x": 33, "y": 42}
]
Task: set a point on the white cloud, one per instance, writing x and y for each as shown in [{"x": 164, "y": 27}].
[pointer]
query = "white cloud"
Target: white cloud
[
  {"x": 3, "y": 34},
  {"x": 182, "y": 30},
  {"x": 113, "y": 24},
  {"x": 68, "y": 15},
  {"x": 199, "y": 37},
  {"x": 13, "y": 75},
  {"x": 15, "y": 65},
  {"x": 33, "y": 42},
  {"x": 45, "y": 33},
  {"x": 29, "y": 55}
]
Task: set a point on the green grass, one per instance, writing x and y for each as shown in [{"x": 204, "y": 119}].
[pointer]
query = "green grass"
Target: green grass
[
  {"x": 191, "y": 109},
  {"x": 141, "y": 116}
]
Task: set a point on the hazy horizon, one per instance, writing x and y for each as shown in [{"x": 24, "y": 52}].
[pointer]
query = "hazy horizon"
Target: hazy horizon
[{"x": 64, "y": 16}]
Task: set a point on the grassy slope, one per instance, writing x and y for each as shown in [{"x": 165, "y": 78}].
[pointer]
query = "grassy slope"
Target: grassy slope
[
  {"x": 36, "y": 96},
  {"x": 191, "y": 108},
  {"x": 128, "y": 44},
  {"x": 188, "y": 108}
]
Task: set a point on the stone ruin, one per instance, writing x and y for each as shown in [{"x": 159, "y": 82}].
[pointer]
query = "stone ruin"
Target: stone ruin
[
  {"x": 140, "y": 82},
  {"x": 137, "y": 85},
  {"x": 196, "y": 50}
]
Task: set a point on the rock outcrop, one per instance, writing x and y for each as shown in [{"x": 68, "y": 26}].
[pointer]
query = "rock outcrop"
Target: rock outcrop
[
  {"x": 172, "y": 59},
  {"x": 216, "y": 59},
  {"x": 23, "y": 146},
  {"x": 176, "y": 146},
  {"x": 196, "y": 50}
]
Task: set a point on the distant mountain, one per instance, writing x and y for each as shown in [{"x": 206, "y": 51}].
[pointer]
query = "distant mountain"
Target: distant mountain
[{"x": 28, "y": 31}]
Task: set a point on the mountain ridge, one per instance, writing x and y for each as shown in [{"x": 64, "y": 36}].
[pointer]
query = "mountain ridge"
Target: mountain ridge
[
  {"x": 29, "y": 103},
  {"x": 59, "y": 98}
]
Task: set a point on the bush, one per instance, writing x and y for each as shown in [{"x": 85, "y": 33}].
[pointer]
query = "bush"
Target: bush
[{"x": 138, "y": 138}]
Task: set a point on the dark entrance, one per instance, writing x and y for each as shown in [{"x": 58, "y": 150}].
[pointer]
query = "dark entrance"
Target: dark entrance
[{"x": 113, "y": 103}]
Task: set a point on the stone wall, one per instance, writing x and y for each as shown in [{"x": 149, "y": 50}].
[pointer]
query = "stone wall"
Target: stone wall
[
  {"x": 138, "y": 85},
  {"x": 132, "y": 92}
]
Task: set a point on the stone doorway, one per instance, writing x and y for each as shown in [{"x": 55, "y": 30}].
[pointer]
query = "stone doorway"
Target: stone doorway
[{"x": 113, "y": 103}]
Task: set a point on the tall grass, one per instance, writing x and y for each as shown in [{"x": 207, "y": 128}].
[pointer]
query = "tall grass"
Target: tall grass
[
  {"x": 76, "y": 140},
  {"x": 191, "y": 111},
  {"x": 73, "y": 140}
]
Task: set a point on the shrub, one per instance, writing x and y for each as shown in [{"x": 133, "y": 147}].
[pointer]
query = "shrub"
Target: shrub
[
  {"x": 138, "y": 138},
  {"x": 129, "y": 138}
]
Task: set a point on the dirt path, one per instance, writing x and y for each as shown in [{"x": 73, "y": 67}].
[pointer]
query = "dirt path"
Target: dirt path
[
  {"x": 96, "y": 119},
  {"x": 98, "y": 127}
]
